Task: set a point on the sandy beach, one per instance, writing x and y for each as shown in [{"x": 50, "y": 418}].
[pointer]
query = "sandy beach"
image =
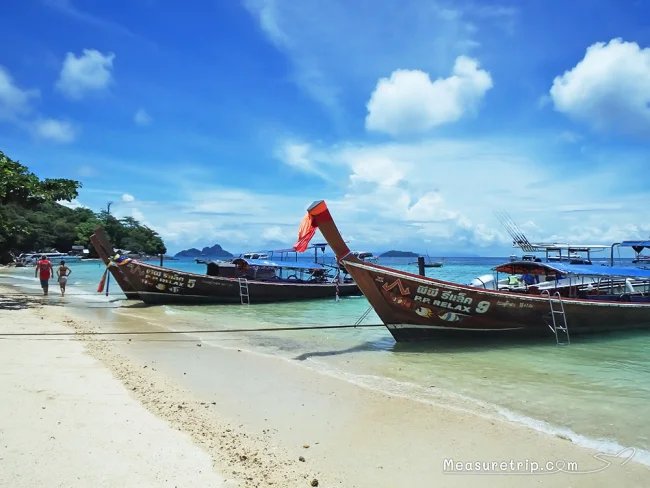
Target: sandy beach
[{"x": 171, "y": 410}]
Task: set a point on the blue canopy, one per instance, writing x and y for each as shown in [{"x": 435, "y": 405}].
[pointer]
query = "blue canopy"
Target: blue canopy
[
  {"x": 523, "y": 267},
  {"x": 635, "y": 244}
]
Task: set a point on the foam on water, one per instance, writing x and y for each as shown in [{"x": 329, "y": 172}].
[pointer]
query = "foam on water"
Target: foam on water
[
  {"x": 607, "y": 446},
  {"x": 463, "y": 403}
]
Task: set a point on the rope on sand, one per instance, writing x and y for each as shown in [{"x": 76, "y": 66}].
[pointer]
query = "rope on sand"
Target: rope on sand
[{"x": 195, "y": 331}]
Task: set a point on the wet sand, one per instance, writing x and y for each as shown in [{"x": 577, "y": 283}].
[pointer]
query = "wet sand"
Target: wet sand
[{"x": 254, "y": 420}]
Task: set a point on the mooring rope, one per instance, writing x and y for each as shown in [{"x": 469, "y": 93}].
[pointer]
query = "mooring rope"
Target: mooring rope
[{"x": 195, "y": 331}]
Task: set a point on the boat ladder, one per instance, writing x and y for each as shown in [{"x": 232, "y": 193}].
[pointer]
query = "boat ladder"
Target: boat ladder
[
  {"x": 243, "y": 291},
  {"x": 559, "y": 324}
]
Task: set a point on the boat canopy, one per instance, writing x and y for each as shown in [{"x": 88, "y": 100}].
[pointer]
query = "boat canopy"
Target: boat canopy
[
  {"x": 572, "y": 247},
  {"x": 638, "y": 246},
  {"x": 282, "y": 252},
  {"x": 280, "y": 264},
  {"x": 535, "y": 268}
]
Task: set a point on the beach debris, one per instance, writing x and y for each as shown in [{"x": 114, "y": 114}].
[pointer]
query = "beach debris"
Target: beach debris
[
  {"x": 314, "y": 482},
  {"x": 301, "y": 459},
  {"x": 306, "y": 446}
]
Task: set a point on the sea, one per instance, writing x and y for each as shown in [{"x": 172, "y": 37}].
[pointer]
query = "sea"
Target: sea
[{"x": 594, "y": 392}]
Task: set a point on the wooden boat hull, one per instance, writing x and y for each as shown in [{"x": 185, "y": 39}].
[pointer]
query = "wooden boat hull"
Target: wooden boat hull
[
  {"x": 159, "y": 285},
  {"x": 415, "y": 307}
]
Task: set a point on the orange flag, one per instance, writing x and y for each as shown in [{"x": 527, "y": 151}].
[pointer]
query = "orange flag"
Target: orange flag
[
  {"x": 102, "y": 282},
  {"x": 305, "y": 233}
]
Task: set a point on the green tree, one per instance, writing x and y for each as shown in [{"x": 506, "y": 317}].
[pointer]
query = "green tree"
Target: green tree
[
  {"x": 19, "y": 185},
  {"x": 32, "y": 220}
]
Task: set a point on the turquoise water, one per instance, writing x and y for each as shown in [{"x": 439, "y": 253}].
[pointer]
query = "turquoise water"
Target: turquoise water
[{"x": 595, "y": 391}]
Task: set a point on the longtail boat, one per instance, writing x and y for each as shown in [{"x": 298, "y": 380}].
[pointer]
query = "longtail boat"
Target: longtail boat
[
  {"x": 415, "y": 307},
  {"x": 242, "y": 280}
]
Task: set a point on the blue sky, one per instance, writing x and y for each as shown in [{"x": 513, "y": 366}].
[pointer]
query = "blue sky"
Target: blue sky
[{"x": 418, "y": 121}]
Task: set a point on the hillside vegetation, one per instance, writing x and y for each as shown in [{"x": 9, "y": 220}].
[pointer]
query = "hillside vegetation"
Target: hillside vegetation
[{"x": 32, "y": 219}]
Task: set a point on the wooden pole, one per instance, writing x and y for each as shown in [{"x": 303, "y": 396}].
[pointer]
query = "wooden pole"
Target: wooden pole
[{"x": 421, "y": 266}]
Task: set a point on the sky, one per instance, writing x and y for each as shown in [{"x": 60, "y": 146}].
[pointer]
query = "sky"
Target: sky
[{"x": 421, "y": 123}]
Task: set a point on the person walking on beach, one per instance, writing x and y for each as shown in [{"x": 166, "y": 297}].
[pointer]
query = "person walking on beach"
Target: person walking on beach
[
  {"x": 62, "y": 273},
  {"x": 44, "y": 271}
]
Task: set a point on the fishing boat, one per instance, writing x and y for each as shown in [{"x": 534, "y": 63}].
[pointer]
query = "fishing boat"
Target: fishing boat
[
  {"x": 428, "y": 263},
  {"x": 415, "y": 307},
  {"x": 365, "y": 256},
  {"x": 242, "y": 280},
  {"x": 31, "y": 258},
  {"x": 552, "y": 251}
]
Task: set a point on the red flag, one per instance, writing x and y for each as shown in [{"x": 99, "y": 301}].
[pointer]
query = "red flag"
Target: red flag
[
  {"x": 102, "y": 282},
  {"x": 305, "y": 233}
]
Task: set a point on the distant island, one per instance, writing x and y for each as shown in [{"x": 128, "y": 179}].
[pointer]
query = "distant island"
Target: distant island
[
  {"x": 398, "y": 254},
  {"x": 214, "y": 251}
]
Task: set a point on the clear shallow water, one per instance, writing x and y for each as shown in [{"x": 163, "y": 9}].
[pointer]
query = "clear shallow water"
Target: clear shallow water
[{"x": 595, "y": 391}]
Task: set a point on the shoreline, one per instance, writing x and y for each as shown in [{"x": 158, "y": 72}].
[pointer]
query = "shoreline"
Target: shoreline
[{"x": 254, "y": 414}]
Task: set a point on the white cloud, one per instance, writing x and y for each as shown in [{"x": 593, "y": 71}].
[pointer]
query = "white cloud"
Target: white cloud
[
  {"x": 409, "y": 102},
  {"x": 430, "y": 207},
  {"x": 14, "y": 101},
  {"x": 439, "y": 195},
  {"x": 139, "y": 216},
  {"x": 71, "y": 204},
  {"x": 277, "y": 234},
  {"x": 570, "y": 137},
  {"x": 375, "y": 168},
  {"x": 297, "y": 156},
  {"x": 328, "y": 64},
  {"x": 90, "y": 72},
  {"x": 141, "y": 117},
  {"x": 127, "y": 197},
  {"x": 609, "y": 89},
  {"x": 54, "y": 130},
  {"x": 301, "y": 156}
]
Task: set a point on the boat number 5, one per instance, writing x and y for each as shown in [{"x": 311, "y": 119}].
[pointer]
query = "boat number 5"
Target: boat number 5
[{"x": 482, "y": 307}]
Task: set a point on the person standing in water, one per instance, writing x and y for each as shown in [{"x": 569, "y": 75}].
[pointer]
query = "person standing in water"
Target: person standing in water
[
  {"x": 44, "y": 271},
  {"x": 62, "y": 273}
]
